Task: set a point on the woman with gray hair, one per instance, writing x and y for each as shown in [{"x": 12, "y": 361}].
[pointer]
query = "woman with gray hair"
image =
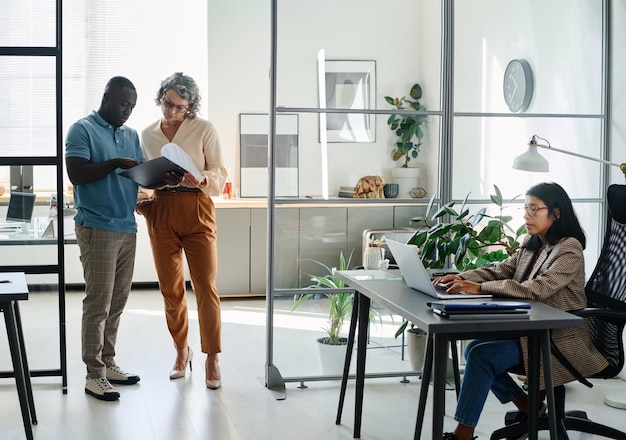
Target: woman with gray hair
[{"x": 181, "y": 217}]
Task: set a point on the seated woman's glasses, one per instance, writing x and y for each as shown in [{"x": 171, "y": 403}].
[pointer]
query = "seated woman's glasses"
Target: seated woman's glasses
[{"x": 531, "y": 210}]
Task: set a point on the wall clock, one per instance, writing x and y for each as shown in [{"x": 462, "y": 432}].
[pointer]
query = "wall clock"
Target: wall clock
[{"x": 517, "y": 85}]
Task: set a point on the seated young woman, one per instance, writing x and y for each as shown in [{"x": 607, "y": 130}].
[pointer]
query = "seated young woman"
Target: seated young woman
[{"x": 548, "y": 267}]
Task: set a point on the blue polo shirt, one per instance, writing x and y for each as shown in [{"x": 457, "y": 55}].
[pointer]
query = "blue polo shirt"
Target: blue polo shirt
[{"x": 108, "y": 203}]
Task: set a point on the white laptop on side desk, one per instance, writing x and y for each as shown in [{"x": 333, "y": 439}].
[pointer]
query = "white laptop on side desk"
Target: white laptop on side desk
[{"x": 416, "y": 276}]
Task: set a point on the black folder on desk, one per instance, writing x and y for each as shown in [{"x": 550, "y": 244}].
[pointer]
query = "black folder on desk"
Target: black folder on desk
[
  {"x": 151, "y": 174},
  {"x": 481, "y": 309}
]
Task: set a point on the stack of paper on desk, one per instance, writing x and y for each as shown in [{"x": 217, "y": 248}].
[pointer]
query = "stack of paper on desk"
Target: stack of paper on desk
[{"x": 481, "y": 309}]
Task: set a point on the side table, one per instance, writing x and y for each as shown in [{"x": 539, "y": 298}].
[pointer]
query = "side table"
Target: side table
[{"x": 13, "y": 288}]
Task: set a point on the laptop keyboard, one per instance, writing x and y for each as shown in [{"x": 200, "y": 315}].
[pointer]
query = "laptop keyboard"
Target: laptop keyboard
[{"x": 441, "y": 289}]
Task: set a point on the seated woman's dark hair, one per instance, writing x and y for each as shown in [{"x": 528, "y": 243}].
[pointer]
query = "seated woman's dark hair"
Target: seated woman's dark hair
[{"x": 565, "y": 224}]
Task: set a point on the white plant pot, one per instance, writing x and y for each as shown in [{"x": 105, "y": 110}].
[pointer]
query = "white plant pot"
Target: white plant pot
[
  {"x": 407, "y": 179},
  {"x": 416, "y": 343},
  {"x": 372, "y": 257},
  {"x": 332, "y": 357}
]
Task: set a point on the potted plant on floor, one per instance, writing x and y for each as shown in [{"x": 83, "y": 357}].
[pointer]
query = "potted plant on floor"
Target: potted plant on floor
[
  {"x": 415, "y": 342},
  {"x": 409, "y": 132},
  {"x": 332, "y": 347}
]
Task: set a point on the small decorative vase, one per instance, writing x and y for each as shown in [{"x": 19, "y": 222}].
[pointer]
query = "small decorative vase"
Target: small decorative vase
[
  {"x": 372, "y": 257},
  {"x": 407, "y": 179}
]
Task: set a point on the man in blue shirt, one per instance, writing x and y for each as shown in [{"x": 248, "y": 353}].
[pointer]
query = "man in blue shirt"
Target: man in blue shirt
[{"x": 97, "y": 148}]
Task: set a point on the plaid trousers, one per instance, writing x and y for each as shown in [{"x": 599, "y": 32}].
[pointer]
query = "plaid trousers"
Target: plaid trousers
[{"x": 108, "y": 260}]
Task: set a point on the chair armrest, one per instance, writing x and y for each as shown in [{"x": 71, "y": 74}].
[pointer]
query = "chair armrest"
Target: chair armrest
[{"x": 606, "y": 314}]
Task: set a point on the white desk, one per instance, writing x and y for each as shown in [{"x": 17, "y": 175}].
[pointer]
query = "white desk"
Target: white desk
[{"x": 395, "y": 295}]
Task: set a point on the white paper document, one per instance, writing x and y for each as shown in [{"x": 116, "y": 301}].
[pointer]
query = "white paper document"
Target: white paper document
[{"x": 177, "y": 155}]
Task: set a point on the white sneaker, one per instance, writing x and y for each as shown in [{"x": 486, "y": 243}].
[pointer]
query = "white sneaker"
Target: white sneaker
[
  {"x": 117, "y": 375},
  {"x": 100, "y": 388}
]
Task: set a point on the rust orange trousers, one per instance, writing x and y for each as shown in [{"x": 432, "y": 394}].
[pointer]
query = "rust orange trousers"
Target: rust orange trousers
[{"x": 182, "y": 224}]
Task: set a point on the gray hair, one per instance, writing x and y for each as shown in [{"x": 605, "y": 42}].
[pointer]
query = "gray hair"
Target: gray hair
[{"x": 186, "y": 87}]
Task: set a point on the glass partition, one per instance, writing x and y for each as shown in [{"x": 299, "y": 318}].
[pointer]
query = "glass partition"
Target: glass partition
[{"x": 458, "y": 52}]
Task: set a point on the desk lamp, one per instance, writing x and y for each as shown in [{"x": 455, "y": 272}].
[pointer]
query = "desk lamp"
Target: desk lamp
[{"x": 531, "y": 160}]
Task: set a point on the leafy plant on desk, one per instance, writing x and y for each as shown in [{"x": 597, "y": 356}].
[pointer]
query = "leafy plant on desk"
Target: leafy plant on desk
[
  {"x": 467, "y": 241},
  {"x": 340, "y": 306}
]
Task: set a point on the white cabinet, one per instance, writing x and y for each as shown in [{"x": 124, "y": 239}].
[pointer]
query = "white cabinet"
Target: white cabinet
[{"x": 241, "y": 250}]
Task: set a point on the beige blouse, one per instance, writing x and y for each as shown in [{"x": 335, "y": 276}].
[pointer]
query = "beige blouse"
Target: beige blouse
[{"x": 200, "y": 140}]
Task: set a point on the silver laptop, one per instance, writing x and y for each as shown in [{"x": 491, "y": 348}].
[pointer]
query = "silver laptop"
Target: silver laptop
[{"x": 416, "y": 276}]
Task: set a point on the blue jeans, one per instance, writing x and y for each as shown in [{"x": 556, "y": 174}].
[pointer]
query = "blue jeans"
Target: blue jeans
[{"x": 486, "y": 364}]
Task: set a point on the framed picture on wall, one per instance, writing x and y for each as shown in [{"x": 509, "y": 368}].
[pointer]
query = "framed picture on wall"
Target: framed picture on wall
[
  {"x": 253, "y": 142},
  {"x": 350, "y": 85}
]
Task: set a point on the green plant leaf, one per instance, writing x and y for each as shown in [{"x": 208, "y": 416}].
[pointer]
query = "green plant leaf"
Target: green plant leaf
[{"x": 416, "y": 91}]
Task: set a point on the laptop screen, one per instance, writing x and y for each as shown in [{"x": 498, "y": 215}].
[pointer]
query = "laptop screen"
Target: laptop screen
[{"x": 21, "y": 207}]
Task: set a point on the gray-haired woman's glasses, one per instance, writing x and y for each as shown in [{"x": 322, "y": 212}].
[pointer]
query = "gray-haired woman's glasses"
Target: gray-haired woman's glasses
[{"x": 171, "y": 106}]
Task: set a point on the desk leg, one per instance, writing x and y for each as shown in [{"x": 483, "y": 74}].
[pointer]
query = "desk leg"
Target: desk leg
[
  {"x": 439, "y": 384},
  {"x": 533, "y": 386},
  {"x": 364, "y": 309},
  {"x": 349, "y": 348},
  {"x": 547, "y": 366},
  {"x": 16, "y": 357},
  {"x": 29, "y": 388},
  {"x": 455, "y": 367},
  {"x": 426, "y": 371}
]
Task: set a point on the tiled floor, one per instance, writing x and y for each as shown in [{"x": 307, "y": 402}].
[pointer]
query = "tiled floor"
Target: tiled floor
[{"x": 243, "y": 409}]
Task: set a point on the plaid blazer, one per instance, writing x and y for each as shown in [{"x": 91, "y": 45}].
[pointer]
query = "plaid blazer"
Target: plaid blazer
[{"x": 557, "y": 279}]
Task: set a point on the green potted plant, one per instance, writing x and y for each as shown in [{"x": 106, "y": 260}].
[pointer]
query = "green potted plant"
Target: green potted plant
[
  {"x": 340, "y": 308},
  {"x": 408, "y": 128},
  {"x": 374, "y": 253},
  {"x": 468, "y": 241},
  {"x": 465, "y": 240}
]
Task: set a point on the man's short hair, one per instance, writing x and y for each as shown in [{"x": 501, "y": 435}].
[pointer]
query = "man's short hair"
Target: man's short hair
[{"x": 119, "y": 82}]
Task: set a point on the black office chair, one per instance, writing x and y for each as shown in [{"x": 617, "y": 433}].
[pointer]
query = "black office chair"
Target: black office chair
[{"x": 606, "y": 311}]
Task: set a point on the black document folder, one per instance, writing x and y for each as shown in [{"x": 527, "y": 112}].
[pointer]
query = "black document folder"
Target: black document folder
[
  {"x": 151, "y": 174},
  {"x": 481, "y": 310}
]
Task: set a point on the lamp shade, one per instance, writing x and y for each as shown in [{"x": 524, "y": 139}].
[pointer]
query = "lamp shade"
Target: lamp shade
[{"x": 531, "y": 160}]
